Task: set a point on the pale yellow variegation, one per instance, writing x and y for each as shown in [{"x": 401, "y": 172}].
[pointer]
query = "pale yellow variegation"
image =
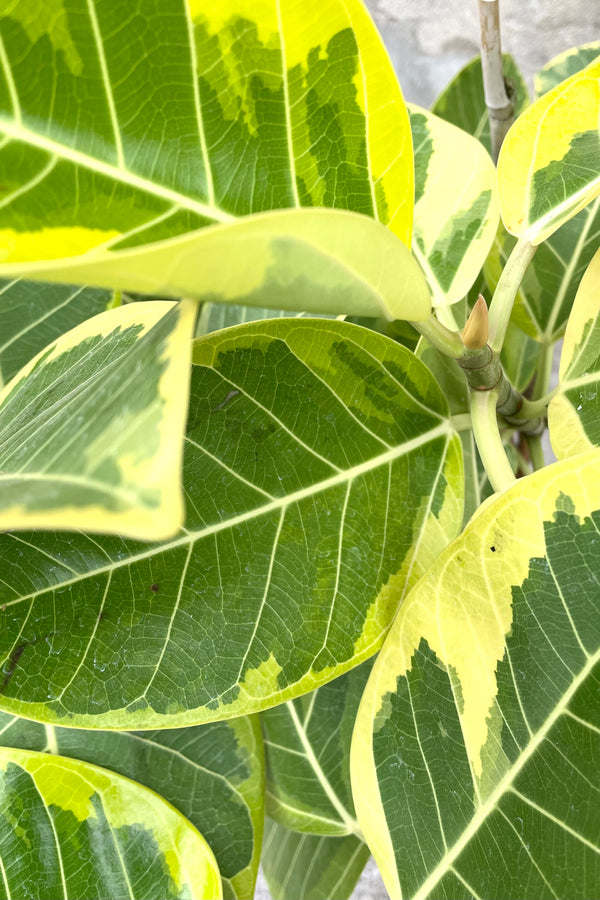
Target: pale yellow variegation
[
  {"x": 456, "y": 210},
  {"x": 462, "y": 610},
  {"x": 91, "y": 429},
  {"x": 549, "y": 164},
  {"x": 118, "y": 811}
]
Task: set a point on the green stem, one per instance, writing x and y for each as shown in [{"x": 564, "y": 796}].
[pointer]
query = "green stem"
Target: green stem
[
  {"x": 524, "y": 465},
  {"x": 543, "y": 373},
  {"x": 447, "y": 342},
  {"x": 489, "y": 442},
  {"x": 461, "y": 422},
  {"x": 445, "y": 315},
  {"x": 536, "y": 451},
  {"x": 537, "y": 408},
  {"x": 506, "y": 291},
  {"x": 532, "y": 409}
]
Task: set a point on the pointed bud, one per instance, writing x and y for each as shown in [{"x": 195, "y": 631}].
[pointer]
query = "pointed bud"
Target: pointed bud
[{"x": 476, "y": 331}]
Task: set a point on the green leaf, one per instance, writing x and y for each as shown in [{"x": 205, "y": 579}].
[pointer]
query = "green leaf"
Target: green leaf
[
  {"x": 311, "y": 867},
  {"x": 319, "y": 260},
  {"x": 475, "y": 754},
  {"x": 91, "y": 430},
  {"x": 216, "y": 316},
  {"x": 548, "y": 168},
  {"x": 253, "y": 108},
  {"x": 548, "y": 289},
  {"x": 212, "y": 774},
  {"x": 462, "y": 102},
  {"x": 573, "y": 414},
  {"x": 322, "y": 477},
  {"x": 519, "y": 357},
  {"x": 564, "y": 65},
  {"x": 307, "y": 748},
  {"x": 456, "y": 208},
  {"x": 32, "y": 315},
  {"x": 69, "y": 829}
]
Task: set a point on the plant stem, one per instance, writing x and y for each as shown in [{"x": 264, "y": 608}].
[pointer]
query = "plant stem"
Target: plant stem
[
  {"x": 543, "y": 373},
  {"x": 484, "y": 373},
  {"x": 506, "y": 291},
  {"x": 489, "y": 442},
  {"x": 445, "y": 315},
  {"x": 447, "y": 342},
  {"x": 533, "y": 409},
  {"x": 499, "y": 103},
  {"x": 536, "y": 451},
  {"x": 461, "y": 422}
]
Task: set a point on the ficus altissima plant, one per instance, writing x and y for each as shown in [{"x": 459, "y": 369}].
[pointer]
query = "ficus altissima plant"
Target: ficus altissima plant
[{"x": 290, "y": 544}]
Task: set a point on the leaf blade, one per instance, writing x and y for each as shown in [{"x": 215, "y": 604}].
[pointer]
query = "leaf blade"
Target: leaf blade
[
  {"x": 74, "y": 809},
  {"x": 87, "y": 440},
  {"x": 480, "y": 690},
  {"x": 572, "y": 413},
  {"x": 319, "y": 260},
  {"x": 265, "y": 109},
  {"x": 33, "y": 315},
  {"x": 313, "y": 867},
  {"x": 456, "y": 206},
  {"x": 307, "y": 748},
  {"x": 546, "y": 168},
  {"x": 213, "y": 775},
  {"x": 274, "y": 479}
]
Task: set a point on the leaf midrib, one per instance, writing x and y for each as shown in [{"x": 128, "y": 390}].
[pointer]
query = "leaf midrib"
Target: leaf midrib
[
  {"x": 444, "y": 429},
  {"x": 125, "y": 176}
]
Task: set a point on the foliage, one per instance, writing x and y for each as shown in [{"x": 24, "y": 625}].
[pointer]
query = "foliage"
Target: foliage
[{"x": 328, "y": 596}]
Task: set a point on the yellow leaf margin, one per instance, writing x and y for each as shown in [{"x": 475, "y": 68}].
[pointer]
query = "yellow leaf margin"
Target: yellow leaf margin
[{"x": 462, "y": 607}]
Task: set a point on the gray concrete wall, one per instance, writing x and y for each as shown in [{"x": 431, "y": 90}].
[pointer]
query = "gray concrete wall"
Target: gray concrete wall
[{"x": 429, "y": 41}]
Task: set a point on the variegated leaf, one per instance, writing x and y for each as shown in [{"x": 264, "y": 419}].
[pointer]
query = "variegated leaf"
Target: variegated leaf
[
  {"x": 548, "y": 288},
  {"x": 475, "y": 754},
  {"x": 564, "y": 65},
  {"x": 310, "y": 866},
  {"x": 456, "y": 208},
  {"x": 33, "y": 315},
  {"x": 212, "y": 774},
  {"x": 69, "y": 829},
  {"x": 322, "y": 476},
  {"x": 91, "y": 429},
  {"x": 549, "y": 164},
  {"x": 546, "y": 294},
  {"x": 253, "y": 107}
]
